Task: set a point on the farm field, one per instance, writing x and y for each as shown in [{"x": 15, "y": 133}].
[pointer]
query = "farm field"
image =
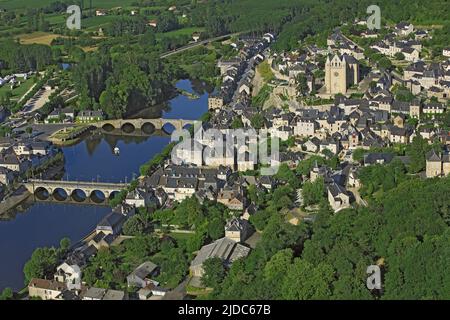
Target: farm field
[{"x": 38, "y": 38}]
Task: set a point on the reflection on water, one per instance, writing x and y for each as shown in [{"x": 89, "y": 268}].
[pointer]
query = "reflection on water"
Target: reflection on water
[
  {"x": 44, "y": 224},
  {"x": 94, "y": 157},
  {"x": 181, "y": 107}
]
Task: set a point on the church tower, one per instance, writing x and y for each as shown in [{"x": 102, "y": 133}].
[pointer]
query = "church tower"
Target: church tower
[{"x": 336, "y": 75}]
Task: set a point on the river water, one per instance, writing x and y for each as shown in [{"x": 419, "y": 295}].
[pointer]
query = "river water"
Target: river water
[{"x": 45, "y": 224}]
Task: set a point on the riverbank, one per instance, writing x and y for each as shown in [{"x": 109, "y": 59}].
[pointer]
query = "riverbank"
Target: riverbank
[
  {"x": 69, "y": 136},
  {"x": 16, "y": 198}
]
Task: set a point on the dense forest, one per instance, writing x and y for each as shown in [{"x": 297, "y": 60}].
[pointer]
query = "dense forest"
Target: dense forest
[
  {"x": 23, "y": 58},
  {"x": 407, "y": 233},
  {"x": 119, "y": 78}
]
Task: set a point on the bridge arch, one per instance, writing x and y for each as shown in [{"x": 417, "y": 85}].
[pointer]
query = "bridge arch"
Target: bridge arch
[
  {"x": 108, "y": 127},
  {"x": 78, "y": 195},
  {"x": 128, "y": 127},
  {"x": 148, "y": 127},
  {"x": 97, "y": 196},
  {"x": 113, "y": 194},
  {"x": 41, "y": 193},
  {"x": 60, "y": 194}
]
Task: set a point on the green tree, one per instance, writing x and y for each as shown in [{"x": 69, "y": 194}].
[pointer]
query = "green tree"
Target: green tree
[
  {"x": 313, "y": 192},
  {"x": 216, "y": 228},
  {"x": 101, "y": 271},
  {"x": 399, "y": 56},
  {"x": 7, "y": 294},
  {"x": 42, "y": 263},
  {"x": 137, "y": 224},
  {"x": 195, "y": 242},
  {"x": 285, "y": 174},
  {"x": 140, "y": 248},
  {"x": 302, "y": 84},
  {"x": 257, "y": 121},
  {"x": 305, "y": 166},
  {"x": 306, "y": 281},
  {"x": 237, "y": 123},
  {"x": 416, "y": 152},
  {"x": 385, "y": 63},
  {"x": 214, "y": 272},
  {"x": 173, "y": 264},
  {"x": 64, "y": 245}
]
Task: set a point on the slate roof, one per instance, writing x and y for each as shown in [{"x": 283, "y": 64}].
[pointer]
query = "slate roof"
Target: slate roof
[
  {"x": 95, "y": 293},
  {"x": 111, "y": 220},
  {"x": 373, "y": 158},
  {"x": 432, "y": 156},
  {"x": 143, "y": 270},
  {"x": 224, "y": 248}
]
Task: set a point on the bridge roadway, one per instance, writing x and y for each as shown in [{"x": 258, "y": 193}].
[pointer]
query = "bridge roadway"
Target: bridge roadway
[
  {"x": 69, "y": 187},
  {"x": 157, "y": 124}
]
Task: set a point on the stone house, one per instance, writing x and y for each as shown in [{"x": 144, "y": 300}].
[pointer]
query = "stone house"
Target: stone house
[
  {"x": 232, "y": 199},
  {"x": 6, "y": 176},
  {"x": 141, "y": 276},
  {"x": 437, "y": 164},
  {"x": 87, "y": 116},
  {"x": 305, "y": 128},
  {"x": 112, "y": 223},
  {"x": 215, "y": 102},
  {"x": 46, "y": 289},
  {"x": 138, "y": 198},
  {"x": 338, "y": 197},
  {"x": 237, "y": 230}
]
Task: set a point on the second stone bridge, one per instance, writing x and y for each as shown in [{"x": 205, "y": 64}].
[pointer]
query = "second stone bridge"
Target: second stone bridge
[
  {"x": 73, "y": 188},
  {"x": 155, "y": 124}
]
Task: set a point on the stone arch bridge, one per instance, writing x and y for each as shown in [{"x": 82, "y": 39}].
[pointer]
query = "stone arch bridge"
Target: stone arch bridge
[
  {"x": 155, "y": 124},
  {"x": 73, "y": 188}
]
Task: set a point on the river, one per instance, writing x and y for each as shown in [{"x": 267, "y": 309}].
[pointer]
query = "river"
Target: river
[{"x": 45, "y": 224}]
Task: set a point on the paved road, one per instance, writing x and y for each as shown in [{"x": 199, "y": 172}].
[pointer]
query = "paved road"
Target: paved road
[
  {"x": 43, "y": 131},
  {"x": 200, "y": 43},
  {"x": 359, "y": 200},
  {"x": 38, "y": 100}
]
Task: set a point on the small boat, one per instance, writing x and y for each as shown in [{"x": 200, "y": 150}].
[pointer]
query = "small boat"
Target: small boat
[{"x": 116, "y": 151}]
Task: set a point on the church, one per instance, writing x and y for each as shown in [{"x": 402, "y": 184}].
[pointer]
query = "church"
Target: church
[{"x": 341, "y": 72}]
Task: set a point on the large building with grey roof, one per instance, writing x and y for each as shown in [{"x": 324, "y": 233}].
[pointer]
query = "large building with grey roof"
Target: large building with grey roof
[{"x": 226, "y": 249}]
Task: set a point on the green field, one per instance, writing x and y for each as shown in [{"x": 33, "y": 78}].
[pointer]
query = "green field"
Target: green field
[
  {"x": 181, "y": 237},
  {"x": 180, "y": 32},
  {"x": 93, "y": 23},
  {"x": 18, "y": 92}
]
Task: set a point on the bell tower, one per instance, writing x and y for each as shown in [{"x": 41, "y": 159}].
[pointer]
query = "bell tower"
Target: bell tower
[{"x": 336, "y": 75}]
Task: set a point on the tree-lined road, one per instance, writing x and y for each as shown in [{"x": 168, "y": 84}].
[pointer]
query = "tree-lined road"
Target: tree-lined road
[{"x": 196, "y": 44}]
